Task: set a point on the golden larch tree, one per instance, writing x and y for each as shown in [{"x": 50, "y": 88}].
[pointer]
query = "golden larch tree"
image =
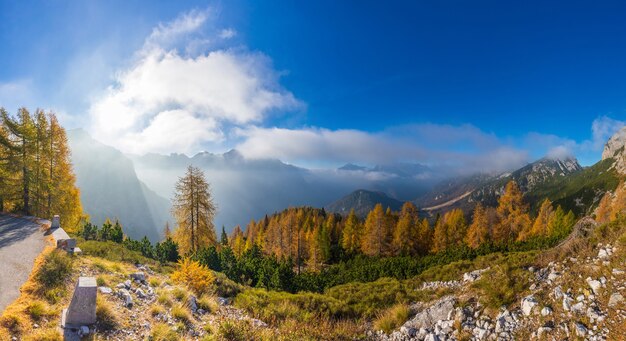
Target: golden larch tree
[
  {"x": 478, "y": 231},
  {"x": 194, "y": 211}
]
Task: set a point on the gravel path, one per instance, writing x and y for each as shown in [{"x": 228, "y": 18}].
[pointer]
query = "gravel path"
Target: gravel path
[{"x": 21, "y": 241}]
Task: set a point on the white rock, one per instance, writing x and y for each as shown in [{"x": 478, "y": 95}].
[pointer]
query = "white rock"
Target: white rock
[
  {"x": 138, "y": 276},
  {"x": 615, "y": 299},
  {"x": 595, "y": 285},
  {"x": 578, "y": 308},
  {"x": 603, "y": 254},
  {"x": 546, "y": 311},
  {"x": 528, "y": 303},
  {"x": 617, "y": 272},
  {"x": 431, "y": 337},
  {"x": 581, "y": 329},
  {"x": 558, "y": 292},
  {"x": 105, "y": 290},
  {"x": 567, "y": 303}
]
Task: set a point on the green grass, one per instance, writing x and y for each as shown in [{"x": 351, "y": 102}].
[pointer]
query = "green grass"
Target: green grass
[
  {"x": 105, "y": 316},
  {"x": 57, "y": 266},
  {"x": 277, "y": 306},
  {"x": 392, "y": 318},
  {"x": 180, "y": 313}
]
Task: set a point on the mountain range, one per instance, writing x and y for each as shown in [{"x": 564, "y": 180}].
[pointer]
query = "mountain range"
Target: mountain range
[{"x": 136, "y": 189}]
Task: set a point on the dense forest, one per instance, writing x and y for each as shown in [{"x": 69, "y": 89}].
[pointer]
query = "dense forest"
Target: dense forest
[{"x": 36, "y": 176}]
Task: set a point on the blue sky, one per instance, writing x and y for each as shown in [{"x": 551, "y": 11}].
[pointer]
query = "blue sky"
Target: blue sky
[{"x": 485, "y": 85}]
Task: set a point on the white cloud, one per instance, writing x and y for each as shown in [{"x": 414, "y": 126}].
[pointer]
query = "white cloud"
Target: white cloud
[
  {"x": 227, "y": 33},
  {"x": 168, "y": 35},
  {"x": 154, "y": 102}
]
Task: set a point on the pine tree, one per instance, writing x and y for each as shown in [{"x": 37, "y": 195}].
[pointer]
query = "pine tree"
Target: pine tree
[
  {"x": 224, "y": 237},
  {"x": 478, "y": 231},
  {"x": 352, "y": 232},
  {"x": 194, "y": 211}
]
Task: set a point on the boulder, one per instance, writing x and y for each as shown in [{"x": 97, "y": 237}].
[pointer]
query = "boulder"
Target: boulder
[
  {"x": 140, "y": 293},
  {"x": 528, "y": 303},
  {"x": 125, "y": 295},
  {"x": 546, "y": 311},
  {"x": 138, "y": 276},
  {"x": 438, "y": 311}
]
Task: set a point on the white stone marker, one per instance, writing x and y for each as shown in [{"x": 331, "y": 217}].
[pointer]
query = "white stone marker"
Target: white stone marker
[
  {"x": 82, "y": 309},
  {"x": 56, "y": 222}
]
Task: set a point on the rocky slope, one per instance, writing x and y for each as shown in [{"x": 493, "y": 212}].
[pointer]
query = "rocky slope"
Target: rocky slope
[
  {"x": 615, "y": 149},
  {"x": 486, "y": 188},
  {"x": 579, "y": 295}
]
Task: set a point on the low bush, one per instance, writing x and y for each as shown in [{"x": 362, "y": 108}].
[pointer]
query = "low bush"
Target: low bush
[{"x": 195, "y": 276}]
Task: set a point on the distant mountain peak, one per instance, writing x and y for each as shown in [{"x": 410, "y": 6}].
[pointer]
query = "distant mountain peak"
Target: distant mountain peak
[
  {"x": 362, "y": 201},
  {"x": 615, "y": 149},
  {"x": 352, "y": 167}
]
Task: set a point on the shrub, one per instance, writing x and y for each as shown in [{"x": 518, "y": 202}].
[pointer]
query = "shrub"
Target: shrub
[
  {"x": 106, "y": 318},
  {"x": 392, "y": 318},
  {"x": 195, "y": 276},
  {"x": 57, "y": 266}
]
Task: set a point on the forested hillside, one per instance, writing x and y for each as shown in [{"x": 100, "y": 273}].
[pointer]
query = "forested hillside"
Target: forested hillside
[{"x": 36, "y": 176}]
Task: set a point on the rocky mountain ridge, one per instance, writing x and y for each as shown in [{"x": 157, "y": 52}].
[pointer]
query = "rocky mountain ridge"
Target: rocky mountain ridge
[{"x": 615, "y": 149}]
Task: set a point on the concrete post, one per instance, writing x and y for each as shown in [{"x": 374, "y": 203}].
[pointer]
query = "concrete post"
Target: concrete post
[
  {"x": 82, "y": 309},
  {"x": 56, "y": 222}
]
